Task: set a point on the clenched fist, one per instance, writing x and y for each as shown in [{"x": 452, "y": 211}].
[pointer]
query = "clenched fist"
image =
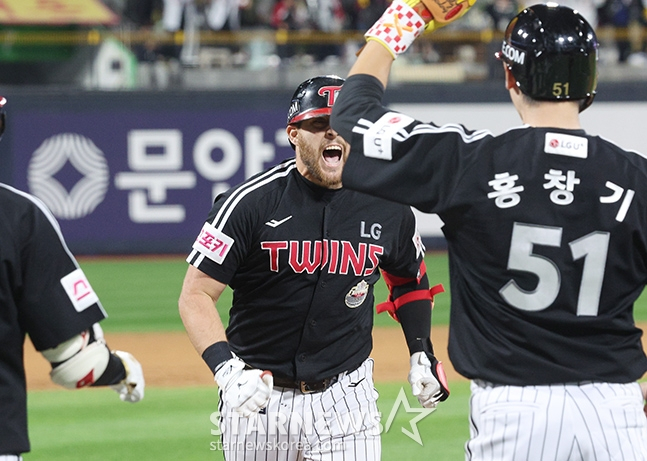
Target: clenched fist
[
  {"x": 246, "y": 391},
  {"x": 427, "y": 379}
]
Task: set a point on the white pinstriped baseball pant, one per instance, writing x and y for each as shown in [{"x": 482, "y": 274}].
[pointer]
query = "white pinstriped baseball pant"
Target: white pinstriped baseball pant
[
  {"x": 340, "y": 423},
  {"x": 565, "y": 422}
]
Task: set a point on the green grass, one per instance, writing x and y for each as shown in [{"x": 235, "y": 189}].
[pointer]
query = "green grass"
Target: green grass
[
  {"x": 172, "y": 424},
  {"x": 141, "y": 294}
]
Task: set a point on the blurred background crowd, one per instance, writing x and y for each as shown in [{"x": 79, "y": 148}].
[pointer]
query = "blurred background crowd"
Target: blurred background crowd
[{"x": 160, "y": 44}]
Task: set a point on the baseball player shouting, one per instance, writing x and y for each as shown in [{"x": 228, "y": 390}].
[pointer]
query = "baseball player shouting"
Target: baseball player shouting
[
  {"x": 44, "y": 293},
  {"x": 302, "y": 256},
  {"x": 546, "y": 228}
]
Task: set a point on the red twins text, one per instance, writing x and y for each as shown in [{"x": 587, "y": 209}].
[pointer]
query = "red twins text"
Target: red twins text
[{"x": 339, "y": 256}]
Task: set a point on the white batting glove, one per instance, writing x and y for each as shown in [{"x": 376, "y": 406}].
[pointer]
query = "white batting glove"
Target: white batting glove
[
  {"x": 131, "y": 388},
  {"x": 427, "y": 379},
  {"x": 246, "y": 391}
]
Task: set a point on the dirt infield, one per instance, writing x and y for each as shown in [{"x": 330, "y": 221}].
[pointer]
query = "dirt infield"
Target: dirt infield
[{"x": 169, "y": 359}]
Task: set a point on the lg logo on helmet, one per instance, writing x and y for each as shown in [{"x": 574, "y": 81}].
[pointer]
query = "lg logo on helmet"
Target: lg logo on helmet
[
  {"x": 513, "y": 54},
  {"x": 329, "y": 92}
]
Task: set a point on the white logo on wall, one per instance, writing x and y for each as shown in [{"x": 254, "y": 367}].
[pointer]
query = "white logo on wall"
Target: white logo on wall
[{"x": 86, "y": 158}]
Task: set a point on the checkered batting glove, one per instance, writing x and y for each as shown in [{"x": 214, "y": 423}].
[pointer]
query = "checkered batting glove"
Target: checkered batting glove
[
  {"x": 404, "y": 20},
  {"x": 397, "y": 28},
  {"x": 246, "y": 391},
  {"x": 428, "y": 380}
]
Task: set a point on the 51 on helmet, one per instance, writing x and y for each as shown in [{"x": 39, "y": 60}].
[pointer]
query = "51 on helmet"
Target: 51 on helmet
[{"x": 552, "y": 53}]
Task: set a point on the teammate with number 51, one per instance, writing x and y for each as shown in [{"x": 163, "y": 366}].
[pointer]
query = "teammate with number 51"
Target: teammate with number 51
[{"x": 546, "y": 227}]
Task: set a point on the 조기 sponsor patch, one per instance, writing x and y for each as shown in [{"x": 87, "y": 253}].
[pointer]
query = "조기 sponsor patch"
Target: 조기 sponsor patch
[{"x": 213, "y": 243}]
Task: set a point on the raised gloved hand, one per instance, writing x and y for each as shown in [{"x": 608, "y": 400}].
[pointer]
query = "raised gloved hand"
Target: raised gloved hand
[
  {"x": 427, "y": 379},
  {"x": 439, "y": 13},
  {"x": 246, "y": 391},
  {"x": 404, "y": 20},
  {"x": 131, "y": 388}
]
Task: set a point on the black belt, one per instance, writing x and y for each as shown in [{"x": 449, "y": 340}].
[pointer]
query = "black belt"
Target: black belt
[{"x": 307, "y": 387}]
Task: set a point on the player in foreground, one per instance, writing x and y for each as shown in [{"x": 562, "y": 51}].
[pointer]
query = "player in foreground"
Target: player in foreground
[
  {"x": 302, "y": 256},
  {"x": 546, "y": 228},
  {"x": 46, "y": 296}
]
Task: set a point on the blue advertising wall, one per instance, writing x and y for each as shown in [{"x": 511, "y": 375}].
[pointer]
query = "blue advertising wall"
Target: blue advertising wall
[{"x": 137, "y": 172}]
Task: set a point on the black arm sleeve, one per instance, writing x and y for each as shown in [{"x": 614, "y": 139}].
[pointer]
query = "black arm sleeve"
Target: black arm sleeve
[{"x": 414, "y": 316}]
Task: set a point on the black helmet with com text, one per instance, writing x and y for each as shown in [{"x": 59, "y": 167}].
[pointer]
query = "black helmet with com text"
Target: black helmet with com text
[
  {"x": 552, "y": 53},
  {"x": 314, "y": 98}
]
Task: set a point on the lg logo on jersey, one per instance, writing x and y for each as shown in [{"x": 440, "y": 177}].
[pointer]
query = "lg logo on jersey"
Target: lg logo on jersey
[{"x": 375, "y": 230}]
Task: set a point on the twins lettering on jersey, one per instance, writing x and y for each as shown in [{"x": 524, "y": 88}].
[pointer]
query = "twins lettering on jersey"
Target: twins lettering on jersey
[{"x": 339, "y": 256}]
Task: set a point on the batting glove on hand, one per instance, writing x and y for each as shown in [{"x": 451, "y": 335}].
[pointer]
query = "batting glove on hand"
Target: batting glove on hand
[
  {"x": 428, "y": 380},
  {"x": 131, "y": 388},
  {"x": 246, "y": 391}
]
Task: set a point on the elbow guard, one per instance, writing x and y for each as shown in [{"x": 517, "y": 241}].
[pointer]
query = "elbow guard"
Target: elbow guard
[
  {"x": 79, "y": 361},
  {"x": 391, "y": 305}
]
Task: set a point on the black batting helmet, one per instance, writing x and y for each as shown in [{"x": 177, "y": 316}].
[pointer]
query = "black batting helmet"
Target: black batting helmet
[
  {"x": 552, "y": 52},
  {"x": 314, "y": 98}
]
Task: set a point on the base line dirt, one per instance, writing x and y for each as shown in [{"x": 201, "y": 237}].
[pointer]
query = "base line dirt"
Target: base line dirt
[{"x": 169, "y": 359}]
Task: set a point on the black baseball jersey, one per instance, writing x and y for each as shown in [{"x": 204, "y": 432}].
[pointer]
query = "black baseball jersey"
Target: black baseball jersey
[
  {"x": 43, "y": 293},
  {"x": 302, "y": 261},
  {"x": 546, "y": 232}
]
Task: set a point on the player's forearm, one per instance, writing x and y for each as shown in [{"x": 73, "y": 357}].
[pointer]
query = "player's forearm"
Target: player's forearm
[
  {"x": 415, "y": 319},
  {"x": 201, "y": 320},
  {"x": 374, "y": 60},
  {"x": 197, "y": 306}
]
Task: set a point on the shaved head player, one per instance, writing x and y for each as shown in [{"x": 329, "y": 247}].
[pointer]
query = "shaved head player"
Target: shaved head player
[
  {"x": 44, "y": 294},
  {"x": 302, "y": 255},
  {"x": 546, "y": 227}
]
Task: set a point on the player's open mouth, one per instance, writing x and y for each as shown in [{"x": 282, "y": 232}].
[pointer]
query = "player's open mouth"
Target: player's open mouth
[{"x": 332, "y": 155}]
